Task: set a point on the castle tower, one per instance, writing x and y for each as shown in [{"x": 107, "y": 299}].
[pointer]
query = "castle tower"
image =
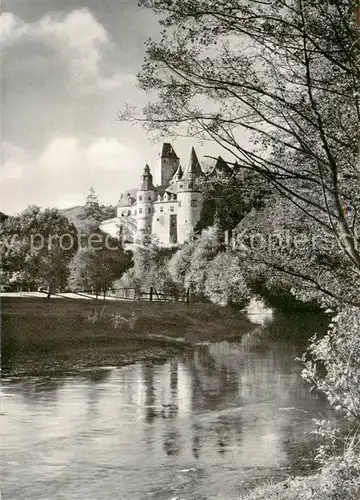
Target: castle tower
[
  {"x": 166, "y": 165},
  {"x": 189, "y": 198},
  {"x": 145, "y": 198}
]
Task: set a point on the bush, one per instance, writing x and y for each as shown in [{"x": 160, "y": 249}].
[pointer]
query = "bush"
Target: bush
[{"x": 225, "y": 283}]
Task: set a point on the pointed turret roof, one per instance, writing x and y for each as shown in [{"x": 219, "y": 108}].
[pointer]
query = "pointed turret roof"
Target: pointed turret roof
[
  {"x": 179, "y": 173},
  {"x": 219, "y": 166},
  {"x": 146, "y": 180},
  {"x": 167, "y": 151},
  {"x": 193, "y": 168}
]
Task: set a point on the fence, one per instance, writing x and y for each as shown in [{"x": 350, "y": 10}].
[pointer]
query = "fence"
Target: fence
[
  {"x": 135, "y": 294},
  {"x": 152, "y": 296}
]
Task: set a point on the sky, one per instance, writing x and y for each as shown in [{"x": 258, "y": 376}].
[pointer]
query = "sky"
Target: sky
[{"x": 68, "y": 67}]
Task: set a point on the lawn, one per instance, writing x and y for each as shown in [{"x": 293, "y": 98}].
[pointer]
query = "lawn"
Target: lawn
[{"x": 40, "y": 334}]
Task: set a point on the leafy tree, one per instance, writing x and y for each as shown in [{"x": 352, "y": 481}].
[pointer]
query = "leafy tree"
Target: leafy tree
[
  {"x": 107, "y": 212},
  {"x": 179, "y": 264},
  {"x": 98, "y": 263},
  {"x": 92, "y": 208},
  {"x": 284, "y": 250},
  {"x": 206, "y": 248},
  {"x": 228, "y": 199},
  {"x": 225, "y": 283},
  {"x": 150, "y": 268},
  {"x": 37, "y": 248},
  {"x": 80, "y": 270}
]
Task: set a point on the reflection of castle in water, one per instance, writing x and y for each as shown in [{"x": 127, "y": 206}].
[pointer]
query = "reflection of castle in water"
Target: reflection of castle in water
[
  {"x": 221, "y": 398},
  {"x": 220, "y": 403}
]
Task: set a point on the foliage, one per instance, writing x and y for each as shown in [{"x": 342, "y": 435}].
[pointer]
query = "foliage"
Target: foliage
[
  {"x": 92, "y": 209},
  {"x": 205, "y": 250},
  {"x": 107, "y": 212},
  {"x": 228, "y": 199},
  {"x": 179, "y": 264},
  {"x": 150, "y": 269},
  {"x": 98, "y": 264},
  {"x": 225, "y": 283},
  {"x": 37, "y": 248},
  {"x": 284, "y": 249},
  {"x": 338, "y": 353}
]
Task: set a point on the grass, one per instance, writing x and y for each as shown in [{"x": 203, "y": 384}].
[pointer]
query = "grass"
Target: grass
[
  {"x": 291, "y": 489},
  {"x": 57, "y": 334}
]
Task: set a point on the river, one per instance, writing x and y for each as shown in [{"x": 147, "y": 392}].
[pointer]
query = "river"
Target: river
[{"x": 203, "y": 425}]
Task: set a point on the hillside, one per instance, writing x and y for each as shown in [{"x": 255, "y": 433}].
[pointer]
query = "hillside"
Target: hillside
[{"x": 72, "y": 214}]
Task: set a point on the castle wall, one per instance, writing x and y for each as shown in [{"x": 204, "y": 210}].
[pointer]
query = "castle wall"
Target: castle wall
[
  {"x": 144, "y": 210},
  {"x": 189, "y": 212},
  {"x": 110, "y": 226},
  {"x": 165, "y": 168},
  {"x": 163, "y": 210}
]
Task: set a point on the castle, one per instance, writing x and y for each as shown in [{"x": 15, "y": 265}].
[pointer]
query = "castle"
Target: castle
[{"x": 168, "y": 205}]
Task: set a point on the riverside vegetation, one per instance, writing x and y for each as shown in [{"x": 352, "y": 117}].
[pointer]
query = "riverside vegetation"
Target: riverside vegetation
[{"x": 301, "y": 117}]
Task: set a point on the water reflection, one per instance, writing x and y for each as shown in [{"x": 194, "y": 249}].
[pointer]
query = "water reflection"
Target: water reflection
[{"x": 195, "y": 426}]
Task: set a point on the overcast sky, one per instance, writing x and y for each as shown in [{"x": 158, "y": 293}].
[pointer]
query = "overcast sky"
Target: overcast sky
[{"x": 68, "y": 67}]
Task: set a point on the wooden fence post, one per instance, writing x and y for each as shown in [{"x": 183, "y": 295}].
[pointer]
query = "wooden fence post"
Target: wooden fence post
[
  {"x": 226, "y": 238},
  {"x": 188, "y": 295},
  {"x": 151, "y": 293}
]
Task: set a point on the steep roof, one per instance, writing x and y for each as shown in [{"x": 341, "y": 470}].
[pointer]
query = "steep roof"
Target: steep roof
[
  {"x": 128, "y": 198},
  {"x": 167, "y": 151},
  {"x": 178, "y": 175},
  {"x": 218, "y": 166},
  {"x": 193, "y": 168},
  {"x": 146, "y": 183}
]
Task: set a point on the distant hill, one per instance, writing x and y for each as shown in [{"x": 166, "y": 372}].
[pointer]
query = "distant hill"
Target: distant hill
[{"x": 72, "y": 214}]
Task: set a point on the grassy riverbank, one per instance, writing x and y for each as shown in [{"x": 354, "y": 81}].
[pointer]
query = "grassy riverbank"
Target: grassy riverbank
[
  {"x": 300, "y": 488},
  {"x": 39, "y": 335}
]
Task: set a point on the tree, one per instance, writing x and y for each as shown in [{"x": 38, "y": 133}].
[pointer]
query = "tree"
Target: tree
[
  {"x": 80, "y": 270},
  {"x": 227, "y": 199},
  {"x": 282, "y": 250},
  {"x": 98, "y": 263},
  {"x": 206, "y": 248},
  {"x": 108, "y": 212},
  {"x": 225, "y": 283},
  {"x": 285, "y": 73},
  {"x": 179, "y": 264},
  {"x": 92, "y": 208},
  {"x": 37, "y": 248}
]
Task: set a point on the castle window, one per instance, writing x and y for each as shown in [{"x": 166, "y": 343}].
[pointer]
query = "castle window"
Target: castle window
[
  {"x": 171, "y": 209},
  {"x": 181, "y": 186},
  {"x": 161, "y": 209},
  {"x": 122, "y": 214},
  {"x": 140, "y": 197},
  {"x": 149, "y": 197},
  {"x": 194, "y": 203},
  {"x": 140, "y": 210},
  {"x": 149, "y": 210},
  {"x": 129, "y": 212}
]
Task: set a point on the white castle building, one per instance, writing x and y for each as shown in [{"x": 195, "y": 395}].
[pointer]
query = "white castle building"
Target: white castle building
[{"x": 167, "y": 205}]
